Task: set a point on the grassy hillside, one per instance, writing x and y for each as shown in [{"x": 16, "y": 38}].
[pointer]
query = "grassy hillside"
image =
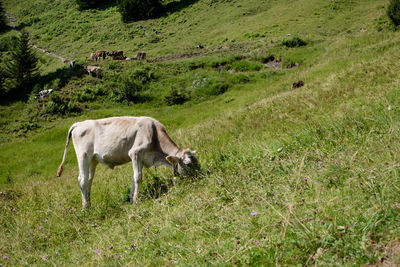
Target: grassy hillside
[{"x": 290, "y": 176}]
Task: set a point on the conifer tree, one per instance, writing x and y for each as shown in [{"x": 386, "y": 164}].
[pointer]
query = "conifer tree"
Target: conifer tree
[{"x": 21, "y": 69}]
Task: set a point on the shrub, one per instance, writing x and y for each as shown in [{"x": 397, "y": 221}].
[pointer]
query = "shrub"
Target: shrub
[
  {"x": 86, "y": 94},
  {"x": 132, "y": 84},
  {"x": 393, "y": 11},
  {"x": 294, "y": 42},
  {"x": 245, "y": 65},
  {"x": 58, "y": 105},
  {"x": 134, "y": 10},
  {"x": 176, "y": 98},
  {"x": 240, "y": 78}
]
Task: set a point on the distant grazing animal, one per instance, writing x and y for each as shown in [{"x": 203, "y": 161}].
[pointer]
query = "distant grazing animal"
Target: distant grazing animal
[
  {"x": 72, "y": 64},
  {"x": 118, "y": 140},
  {"x": 297, "y": 84},
  {"x": 98, "y": 54},
  {"x": 94, "y": 70},
  {"x": 117, "y": 55},
  {"x": 43, "y": 93},
  {"x": 141, "y": 55},
  {"x": 199, "y": 46}
]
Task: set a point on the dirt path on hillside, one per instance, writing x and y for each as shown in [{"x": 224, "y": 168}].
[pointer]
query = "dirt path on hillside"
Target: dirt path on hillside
[
  {"x": 45, "y": 51},
  {"x": 187, "y": 55}
]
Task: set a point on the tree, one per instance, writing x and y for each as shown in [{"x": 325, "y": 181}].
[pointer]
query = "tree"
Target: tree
[
  {"x": 21, "y": 69},
  {"x": 133, "y": 10},
  {"x": 393, "y": 11},
  {"x": 3, "y": 18}
]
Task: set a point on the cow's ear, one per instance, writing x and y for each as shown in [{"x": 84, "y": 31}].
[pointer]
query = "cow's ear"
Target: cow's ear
[{"x": 172, "y": 159}]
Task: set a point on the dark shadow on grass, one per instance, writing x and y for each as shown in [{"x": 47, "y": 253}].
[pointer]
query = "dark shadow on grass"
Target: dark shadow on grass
[
  {"x": 101, "y": 5},
  {"x": 175, "y": 7},
  {"x": 64, "y": 74}
]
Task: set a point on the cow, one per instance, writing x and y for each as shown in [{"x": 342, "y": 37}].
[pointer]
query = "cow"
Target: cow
[
  {"x": 94, "y": 70},
  {"x": 118, "y": 140},
  {"x": 141, "y": 55},
  {"x": 117, "y": 55},
  {"x": 98, "y": 54},
  {"x": 43, "y": 94}
]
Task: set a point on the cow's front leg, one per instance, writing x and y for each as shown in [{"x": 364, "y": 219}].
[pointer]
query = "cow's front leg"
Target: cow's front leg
[{"x": 136, "y": 157}]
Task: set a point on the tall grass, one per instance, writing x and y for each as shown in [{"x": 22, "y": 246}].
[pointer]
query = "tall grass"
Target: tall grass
[{"x": 290, "y": 177}]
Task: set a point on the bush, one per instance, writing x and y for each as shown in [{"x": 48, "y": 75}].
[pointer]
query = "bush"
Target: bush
[
  {"x": 132, "y": 84},
  {"x": 245, "y": 65},
  {"x": 58, "y": 105},
  {"x": 294, "y": 42},
  {"x": 134, "y": 10},
  {"x": 86, "y": 94},
  {"x": 240, "y": 78},
  {"x": 176, "y": 98},
  {"x": 393, "y": 11}
]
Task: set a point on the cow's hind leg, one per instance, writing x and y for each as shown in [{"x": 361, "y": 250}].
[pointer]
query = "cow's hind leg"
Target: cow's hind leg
[
  {"x": 85, "y": 169},
  {"x": 92, "y": 169},
  {"x": 136, "y": 157}
]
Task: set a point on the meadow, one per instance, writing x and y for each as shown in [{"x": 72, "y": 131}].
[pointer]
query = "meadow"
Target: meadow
[{"x": 305, "y": 176}]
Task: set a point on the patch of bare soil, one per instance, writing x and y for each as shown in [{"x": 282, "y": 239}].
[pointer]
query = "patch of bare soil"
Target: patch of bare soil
[
  {"x": 274, "y": 64},
  {"x": 392, "y": 258},
  {"x": 188, "y": 55}
]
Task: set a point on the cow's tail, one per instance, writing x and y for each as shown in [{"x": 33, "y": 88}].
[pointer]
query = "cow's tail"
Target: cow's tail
[{"x": 60, "y": 169}]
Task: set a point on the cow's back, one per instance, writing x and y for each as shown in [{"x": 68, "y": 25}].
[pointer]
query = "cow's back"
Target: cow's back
[{"x": 111, "y": 139}]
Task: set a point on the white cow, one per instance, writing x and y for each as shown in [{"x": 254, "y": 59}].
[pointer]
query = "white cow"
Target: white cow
[
  {"x": 118, "y": 140},
  {"x": 93, "y": 70}
]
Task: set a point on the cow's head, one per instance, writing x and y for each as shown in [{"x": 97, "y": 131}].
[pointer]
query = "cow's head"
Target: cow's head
[{"x": 185, "y": 162}]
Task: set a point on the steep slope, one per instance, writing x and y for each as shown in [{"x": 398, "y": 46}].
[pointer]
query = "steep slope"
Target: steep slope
[{"x": 290, "y": 176}]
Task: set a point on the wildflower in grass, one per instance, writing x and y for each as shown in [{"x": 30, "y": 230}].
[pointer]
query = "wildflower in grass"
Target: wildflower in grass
[
  {"x": 222, "y": 217},
  {"x": 97, "y": 252},
  {"x": 44, "y": 257},
  {"x": 46, "y": 220},
  {"x": 257, "y": 243},
  {"x": 5, "y": 257},
  {"x": 305, "y": 179},
  {"x": 162, "y": 185},
  {"x": 320, "y": 163},
  {"x": 14, "y": 210},
  {"x": 254, "y": 213},
  {"x": 336, "y": 162},
  {"x": 158, "y": 199},
  {"x": 41, "y": 227}
]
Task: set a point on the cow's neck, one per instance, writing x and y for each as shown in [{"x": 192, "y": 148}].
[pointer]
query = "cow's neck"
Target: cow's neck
[{"x": 168, "y": 147}]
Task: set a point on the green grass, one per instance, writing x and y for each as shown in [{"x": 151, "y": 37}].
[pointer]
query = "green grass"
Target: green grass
[{"x": 290, "y": 177}]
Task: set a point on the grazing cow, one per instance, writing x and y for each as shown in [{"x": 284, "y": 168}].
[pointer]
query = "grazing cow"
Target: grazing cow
[
  {"x": 297, "y": 84},
  {"x": 43, "y": 93},
  {"x": 94, "y": 70},
  {"x": 117, "y": 55},
  {"x": 118, "y": 140},
  {"x": 141, "y": 55},
  {"x": 72, "y": 64},
  {"x": 98, "y": 54}
]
